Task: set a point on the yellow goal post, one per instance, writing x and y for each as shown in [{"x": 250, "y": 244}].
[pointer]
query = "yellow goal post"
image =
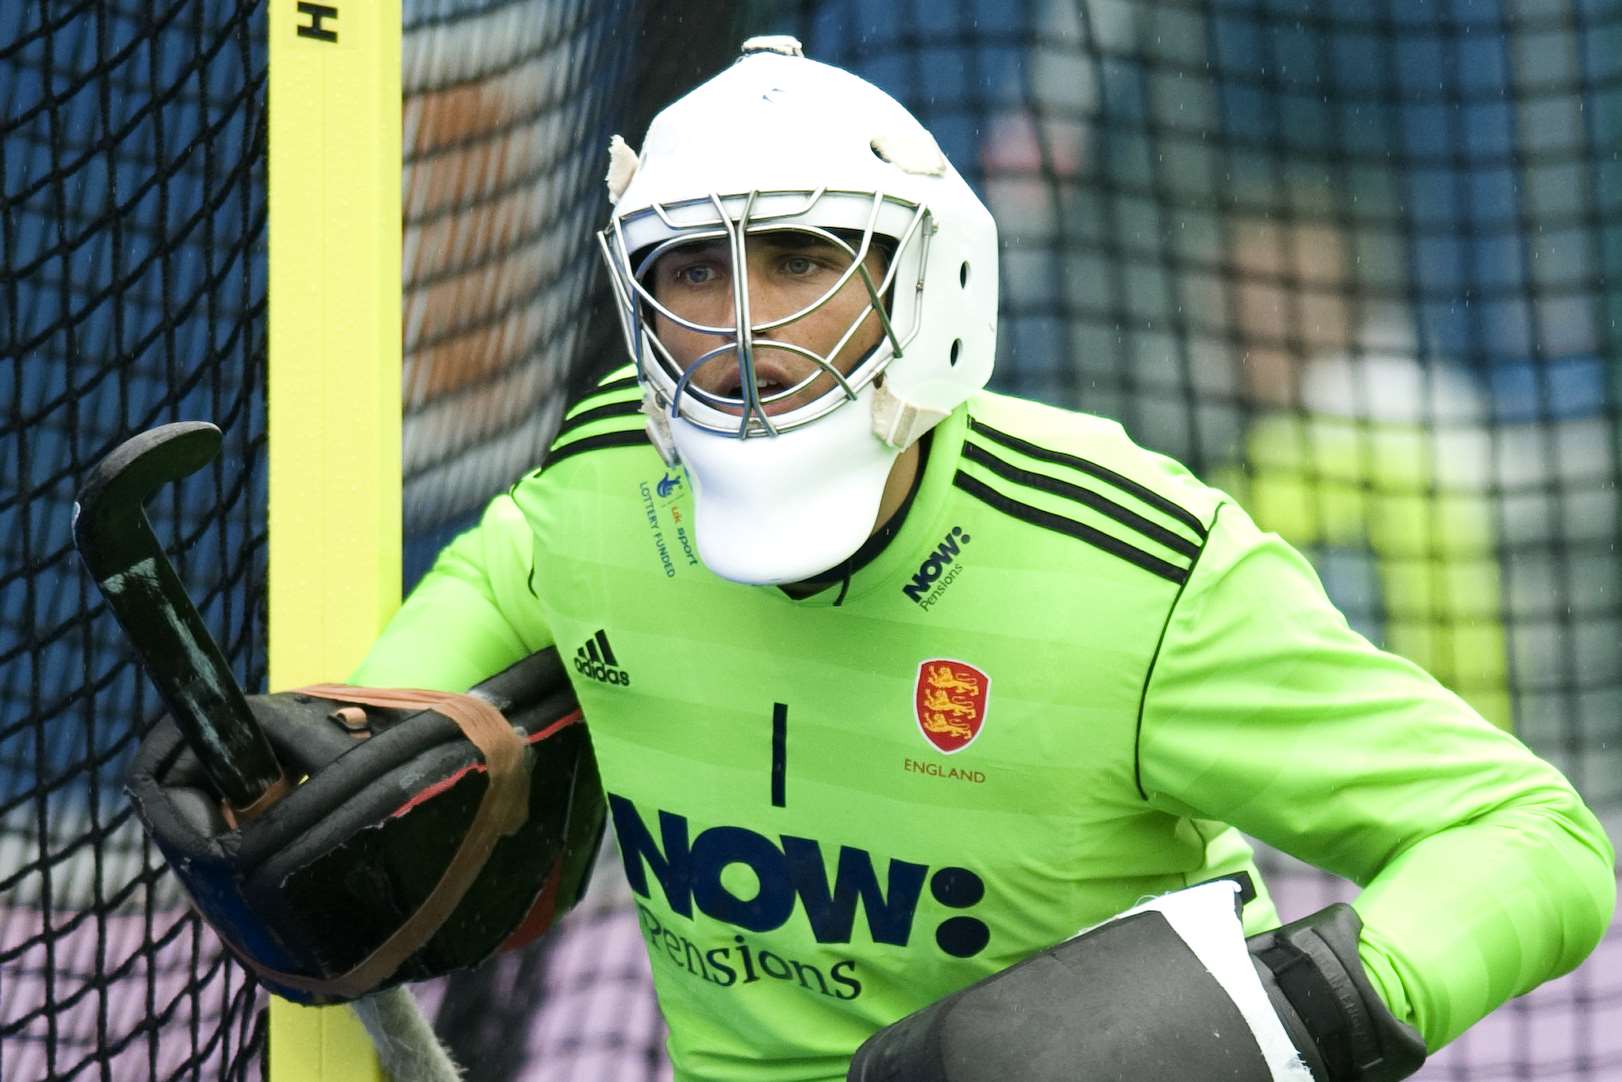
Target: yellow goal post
[{"x": 333, "y": 391}]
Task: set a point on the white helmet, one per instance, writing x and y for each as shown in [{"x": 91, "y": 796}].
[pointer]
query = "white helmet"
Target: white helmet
[{"x": 778, "y": 142}]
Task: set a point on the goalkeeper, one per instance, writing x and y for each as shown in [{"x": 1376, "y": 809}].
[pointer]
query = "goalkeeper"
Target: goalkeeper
[{"x": 896, "y": 685}]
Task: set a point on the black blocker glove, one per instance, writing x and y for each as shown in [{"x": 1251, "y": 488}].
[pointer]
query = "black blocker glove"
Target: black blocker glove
[
  {"x": 402, "y": 855},
  {"x": 1170, "y": 991}
]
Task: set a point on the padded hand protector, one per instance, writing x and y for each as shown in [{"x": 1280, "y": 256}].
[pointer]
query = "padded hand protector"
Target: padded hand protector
[
  {"x": 398, "y": 857},
  {"x": 1167, "y": 992},
  {"x": 1316, "y": 982}
]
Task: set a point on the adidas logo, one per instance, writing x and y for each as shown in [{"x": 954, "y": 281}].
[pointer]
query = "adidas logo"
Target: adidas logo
[{"x": 596, "y": 659}]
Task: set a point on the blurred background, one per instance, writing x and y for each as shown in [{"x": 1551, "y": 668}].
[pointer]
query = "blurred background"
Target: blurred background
[{"x": 1359, "y": 264}]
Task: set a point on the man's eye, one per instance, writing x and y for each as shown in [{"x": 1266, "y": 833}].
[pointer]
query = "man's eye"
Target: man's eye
[
  {"x": 798, "y": 265},
  {"x": 695, "y": 274}
]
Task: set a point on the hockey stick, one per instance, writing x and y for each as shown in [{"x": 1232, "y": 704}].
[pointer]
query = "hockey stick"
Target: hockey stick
[{"x": 115, "y": 540}]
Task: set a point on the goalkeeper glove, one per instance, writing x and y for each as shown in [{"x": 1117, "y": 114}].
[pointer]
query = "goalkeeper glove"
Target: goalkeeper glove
[{"x": 1170, "y": 991}]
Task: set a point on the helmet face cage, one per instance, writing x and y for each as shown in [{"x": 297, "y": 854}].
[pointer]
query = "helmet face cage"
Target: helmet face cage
[{"x": 825, "y": 215}]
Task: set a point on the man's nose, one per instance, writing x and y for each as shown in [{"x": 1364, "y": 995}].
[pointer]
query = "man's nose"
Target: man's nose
[{"x": 768, "y": 300}]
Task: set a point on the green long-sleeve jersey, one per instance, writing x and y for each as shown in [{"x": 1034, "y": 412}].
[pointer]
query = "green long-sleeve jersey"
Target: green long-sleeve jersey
[{"x": 1069, "y": 679}]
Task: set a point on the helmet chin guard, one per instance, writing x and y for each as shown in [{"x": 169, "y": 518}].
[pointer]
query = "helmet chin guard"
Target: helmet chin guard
[
  {"x": 783, "y": 508},
  {"x": 786, "y": 484}
]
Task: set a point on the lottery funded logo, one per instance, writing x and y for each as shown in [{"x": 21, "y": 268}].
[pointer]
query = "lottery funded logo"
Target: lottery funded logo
[
  {"x": 950, "y": 702},
  {"x": 672, "y": 542}
]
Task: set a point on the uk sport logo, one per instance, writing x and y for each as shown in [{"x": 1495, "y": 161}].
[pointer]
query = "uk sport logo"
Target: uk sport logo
[
  {"x": 950, "y": 702},
  {"x": 596, "y": 660}
]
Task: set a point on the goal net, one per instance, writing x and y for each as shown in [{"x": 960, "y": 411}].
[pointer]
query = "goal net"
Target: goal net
[{"x": 1360, "y": 264}]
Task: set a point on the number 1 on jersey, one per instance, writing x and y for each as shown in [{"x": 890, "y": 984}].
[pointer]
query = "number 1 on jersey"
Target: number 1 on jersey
[{"x": 779, "y": 752}]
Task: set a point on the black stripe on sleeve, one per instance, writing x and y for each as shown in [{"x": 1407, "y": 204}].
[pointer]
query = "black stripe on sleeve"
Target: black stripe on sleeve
[
  {"x": 1059, "y": 524},
  {"x": 1103, "y": 473},
  {"x": 1042, "y": 482},
  {"x": 604, "y": 388},
  {"x": 629, "y": 438},
  {"x": 598, "y": 413}
]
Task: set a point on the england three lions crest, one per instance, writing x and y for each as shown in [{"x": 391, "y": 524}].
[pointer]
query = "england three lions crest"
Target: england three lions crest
[{"x": 950, "y": 701}]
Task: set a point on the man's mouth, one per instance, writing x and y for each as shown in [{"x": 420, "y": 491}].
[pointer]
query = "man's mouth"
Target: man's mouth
[{"x": 771, "y": 378}]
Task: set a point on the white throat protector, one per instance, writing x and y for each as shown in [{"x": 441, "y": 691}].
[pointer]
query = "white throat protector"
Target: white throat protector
[{"x": 787, "y": 481}]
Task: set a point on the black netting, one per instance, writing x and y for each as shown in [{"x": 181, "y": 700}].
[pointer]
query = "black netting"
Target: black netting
[
  {"x": 1358, "y": 263},
  {"x": 508, "y": 108},
  {"x": 132, "y": 226}
]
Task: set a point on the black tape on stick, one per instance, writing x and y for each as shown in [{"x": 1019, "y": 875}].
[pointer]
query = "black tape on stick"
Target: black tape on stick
[{"x": 115, "y": 540}]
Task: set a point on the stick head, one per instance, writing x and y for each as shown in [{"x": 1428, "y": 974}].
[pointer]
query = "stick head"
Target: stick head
[{"x": 109, "y": 516}]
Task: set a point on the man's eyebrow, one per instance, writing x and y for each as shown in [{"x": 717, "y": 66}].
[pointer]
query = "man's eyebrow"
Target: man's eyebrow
[
  {"x": 782, "y": 241},
  {"x": 795, "y": 240},
  {"x": 696, "y": 248}
]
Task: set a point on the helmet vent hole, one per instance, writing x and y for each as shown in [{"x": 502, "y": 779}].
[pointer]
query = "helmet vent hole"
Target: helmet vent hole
[
  {"x": 963, "y": 274},
  {"x": 957, "y": 345}
]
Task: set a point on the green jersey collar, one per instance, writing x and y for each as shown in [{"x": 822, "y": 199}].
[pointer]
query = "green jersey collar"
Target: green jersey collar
[{"x": 914, "y": 527}]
